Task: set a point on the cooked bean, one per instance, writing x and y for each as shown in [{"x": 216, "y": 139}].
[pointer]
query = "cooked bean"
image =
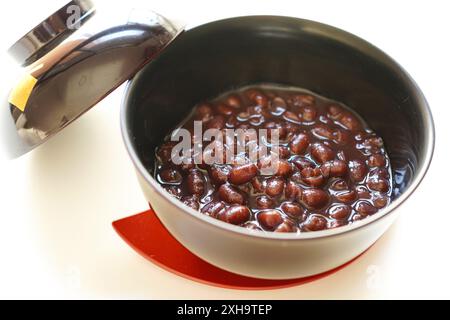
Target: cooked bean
[
  {"x": 315, "y": 223},
  {"x": 299, "y": 143},
  {"x": 235, "y": 215},
  {"x": 334, "y": 168},
  {"x": 264, "y": 202},
  {"x": 292, "y": 209},
  {"x": 243, "y": 174},
  {"x": 195, "y": 182},
  {"x": 340, "y": 211},
  {"x": 292, "y": 191},
  {"x": 315, "y": 198},
  {"x": 322, "y": 153},
  {"x": 170, "y": 175},
  {"x": 213, "y": 208},
  {"x": 230, "y": 194},
  {"x": 378, "y": 184},
  {"x": 191, "y": 201},
  {"x": 364, "y": 208},
  {"x": 358, "y": 170},
  {"x": 219, "y": 174},
  {"x": 270, "y": 219},
  {"x": 313, "y": 177},
  {"x": 346, "y": 196},
  {"x": 274, "y": 186}
]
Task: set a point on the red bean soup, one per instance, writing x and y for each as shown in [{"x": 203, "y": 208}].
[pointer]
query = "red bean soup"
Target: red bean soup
[{"x": 330, "y": 168}]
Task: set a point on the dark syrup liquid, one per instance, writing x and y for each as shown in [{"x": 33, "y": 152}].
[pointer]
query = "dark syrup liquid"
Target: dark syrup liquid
[{"x": 363, "y": 188}]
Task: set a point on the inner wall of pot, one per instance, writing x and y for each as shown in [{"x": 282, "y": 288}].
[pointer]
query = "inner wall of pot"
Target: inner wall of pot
[{"x": 227, "y": 54}]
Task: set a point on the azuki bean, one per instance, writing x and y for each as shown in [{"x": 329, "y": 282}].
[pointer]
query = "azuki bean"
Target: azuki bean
[
  {"x": 373, "y": 142},
  {"x": 173, "y": 190},
  {"x": 217, "y": 122},
  {"x": 322, "y": 153},
  {"x": 233, "y": 101},
  {"x": 264, "y": 202},
  {"x": 336, "y": 223},
  {"x": 195, "y": 182},
  {"x": 380, "y": 201},
  {"x": 257, "y": 184},
  {"x": 378, "y": 184},
  {"x": 291, "y": 116},
  {"x": 358, "y": 170},
  {"x": 335, "y": 112},
  {"x": 269, "y": 219},
  {"x": 339, "y": 185},
  {"x": 235, "y": 215},
  {"x": 364, "y": 208},
  {"x": 283, "y": 152},
  {"x": 243, "y": 174},
  {"x": 377, "y": 160},
  {"x": 257, "y": 97},
  {"x": 301, "y": 100},
  {"x": 204, "y": 112},
  {"x": 323, "y": 132},
  {"x": 230, "y": 195},
  {"x": 341, "y": 137},
  {"x": 362, "y": 192},
  {"x": 379, "y": 172},
  {"x": 313, "y": 177},
  {"x": 292, "y": 191},
  {"x": 251, "y": 225},
  {"x": 279, "y": 128},
  {"x": 191, "y": 201},
  {"x": 292, "y": 209},
  {"x": 308, "y": 113},
  {"x": 278, "y": 106},
  {"x": 346, "y": 196},
  {"x": 302, "y": 163},
  {"x": 296, "y": 177},
  {"x": 315, "y": 223},
  {"x": 165, "y": 152},
  {"x": 315, "y": 198},
  {"x": 219, "y": 174},
  {"x": 170, "y": 175},
  {"x": 284, "y": 168},
  {"x": 334, "y": 168},
  {"x": 213, "y": 208},
  {"x": 286, "y": 226},
  {"x": 224, "y": 109},
  {"x": 350, "y": 122},
  {"x": 339, "y": 211},
  {"x": 299, "y": 143},
  {"x": 274, "y": 186}
]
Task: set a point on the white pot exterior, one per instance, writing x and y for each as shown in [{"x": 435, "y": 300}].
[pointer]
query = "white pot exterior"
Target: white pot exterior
[
  {"x": 272, "y": 255},
  {"x": 261, "y": 257}
]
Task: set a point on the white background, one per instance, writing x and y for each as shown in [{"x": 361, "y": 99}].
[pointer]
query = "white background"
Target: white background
[{"x": 57, "y": 203}]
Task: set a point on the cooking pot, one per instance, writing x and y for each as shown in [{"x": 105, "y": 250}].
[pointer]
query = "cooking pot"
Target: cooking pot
[
  {"x": 222, "y": 55},
  {"x": 198, "y": 64}
]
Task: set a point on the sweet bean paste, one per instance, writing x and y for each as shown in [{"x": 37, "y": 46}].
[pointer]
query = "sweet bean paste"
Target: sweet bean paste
[{"x": 330, "y": 168}]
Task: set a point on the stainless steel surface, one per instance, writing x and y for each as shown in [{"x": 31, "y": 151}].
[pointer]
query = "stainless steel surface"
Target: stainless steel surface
[
  {"x": 50, "y": 32},
  {"x": 81, "y": 70},
  {"x": 210, "y": 59}
]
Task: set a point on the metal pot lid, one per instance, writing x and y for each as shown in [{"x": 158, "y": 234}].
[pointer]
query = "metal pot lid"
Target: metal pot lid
[{"x": 71, "y": 61}]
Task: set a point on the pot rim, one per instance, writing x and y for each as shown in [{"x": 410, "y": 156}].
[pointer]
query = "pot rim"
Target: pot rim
[{"x": 417, "y": 179}]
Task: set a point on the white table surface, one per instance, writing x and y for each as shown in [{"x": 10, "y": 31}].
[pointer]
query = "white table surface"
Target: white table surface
[{"x": 57, "y": 203}]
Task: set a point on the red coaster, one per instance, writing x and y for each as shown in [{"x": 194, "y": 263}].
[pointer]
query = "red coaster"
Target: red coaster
[{"x": 145, "y": 233}]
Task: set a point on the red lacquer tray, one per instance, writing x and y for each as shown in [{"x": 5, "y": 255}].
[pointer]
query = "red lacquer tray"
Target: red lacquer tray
[{"x": 145, "y": 233}]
